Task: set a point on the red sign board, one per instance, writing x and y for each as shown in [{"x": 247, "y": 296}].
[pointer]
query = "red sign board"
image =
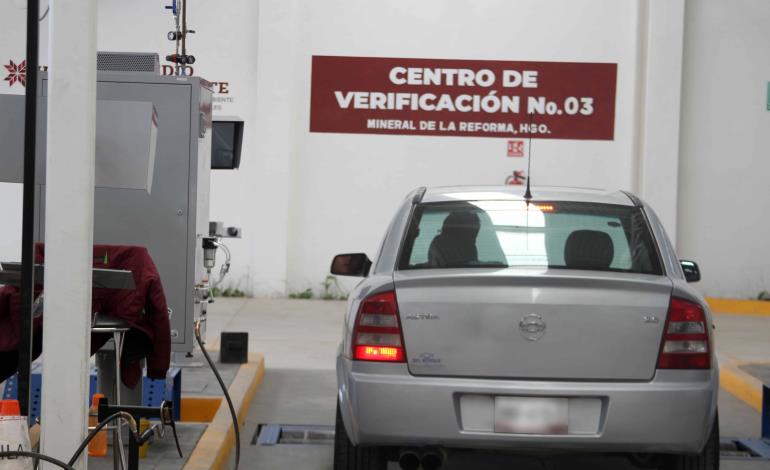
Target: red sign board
[{"x": 480, "y": 98}]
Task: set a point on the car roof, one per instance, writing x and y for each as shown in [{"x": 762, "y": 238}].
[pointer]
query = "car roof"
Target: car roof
[{"x": 539, "y": 193}]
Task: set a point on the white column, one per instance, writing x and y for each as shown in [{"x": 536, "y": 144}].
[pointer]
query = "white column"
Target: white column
[
  {"x": 278, "y": 52},
  {"x": 69, "y": 226},
  {"x": 661, "y": 38}
]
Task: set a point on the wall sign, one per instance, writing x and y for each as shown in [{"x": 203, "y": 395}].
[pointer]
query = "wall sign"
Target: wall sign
[
  {"x": 480, "y": 98},
  {"x": 16, "y": 73},
  {"x": 515, "y": 148}
]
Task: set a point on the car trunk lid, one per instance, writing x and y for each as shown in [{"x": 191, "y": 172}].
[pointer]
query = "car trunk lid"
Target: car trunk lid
[{"x": 535, "y": 324}]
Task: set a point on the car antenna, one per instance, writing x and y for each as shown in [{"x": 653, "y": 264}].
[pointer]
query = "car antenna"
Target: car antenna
[{"x": 528, "y": 192}]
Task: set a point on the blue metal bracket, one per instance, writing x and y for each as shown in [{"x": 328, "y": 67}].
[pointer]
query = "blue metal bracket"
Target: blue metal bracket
[
  {"x": 154, "y": 392},
  {"x": 269, "y": 435},
  {"x": 11, "y": 391},
  {"x": 275, "y": 434},
  {"x": 758, "y": 448}
]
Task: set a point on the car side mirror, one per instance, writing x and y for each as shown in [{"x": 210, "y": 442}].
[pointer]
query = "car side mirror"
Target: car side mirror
[
  {"x": 351, "y": 264},
  {"x": 691, "y": 270}
]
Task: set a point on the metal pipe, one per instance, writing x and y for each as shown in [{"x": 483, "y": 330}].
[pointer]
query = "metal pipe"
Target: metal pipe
[
  {"x": 117, "y": 440},
  {"x": 28, "y": 217},
  {"x": 432, "y": 460},
  {"x": 184, "y": 29},
  {"x": 408, "y": 460}
]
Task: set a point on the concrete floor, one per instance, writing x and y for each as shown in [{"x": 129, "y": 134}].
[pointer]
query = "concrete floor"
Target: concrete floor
[
  {"x": 299, "y": 339},
  {"x": 742, "y": 338},
  {"x": 295, "y": 396},
  {"x": 292, "y": 334},
  {"x": 162, "y": 454}
]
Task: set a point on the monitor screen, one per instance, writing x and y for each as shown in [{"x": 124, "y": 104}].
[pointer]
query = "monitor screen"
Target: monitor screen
[{"x": 226, "y": 139}]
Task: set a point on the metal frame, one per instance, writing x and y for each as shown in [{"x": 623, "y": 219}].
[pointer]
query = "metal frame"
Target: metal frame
[{"x": 154, "y": 391}]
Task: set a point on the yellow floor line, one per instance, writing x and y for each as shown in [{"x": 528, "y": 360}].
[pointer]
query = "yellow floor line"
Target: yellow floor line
[
  {"x": 754, "y": 308},
  {"x": 742, "y": 385},
  {"x": 216, "y": 444}
]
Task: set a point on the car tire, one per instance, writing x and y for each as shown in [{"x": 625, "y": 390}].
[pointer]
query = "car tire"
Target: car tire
[
  {"x": 708, "y": 459},
  {"x": 348, "y": 456}
]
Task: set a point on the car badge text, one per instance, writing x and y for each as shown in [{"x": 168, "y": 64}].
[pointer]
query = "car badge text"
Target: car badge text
[{"x": 422, "y": 316}]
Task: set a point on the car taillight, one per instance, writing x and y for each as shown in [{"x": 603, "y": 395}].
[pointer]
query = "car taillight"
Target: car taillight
[
  {"x": 686, "y": 343},
  {"x": 377, "y": 332}
]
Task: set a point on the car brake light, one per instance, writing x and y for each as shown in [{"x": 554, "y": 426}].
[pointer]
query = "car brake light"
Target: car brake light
[
  {"x": 377, "y": 332},
  {"x": 686, "y": 342}
]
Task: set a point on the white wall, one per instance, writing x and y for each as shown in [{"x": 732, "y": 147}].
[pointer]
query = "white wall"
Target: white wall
[
  {"x": 226, "y": 48},
  {"x": 724, "y": 193},
  {"x": 345, "y": 187},
  {"x": 303, "y": 197}
]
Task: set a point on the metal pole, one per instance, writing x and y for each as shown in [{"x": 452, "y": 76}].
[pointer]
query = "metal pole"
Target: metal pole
[
  {"x": 69, "y": 217},
  {"x": 28, "y": 218},
  {"x": 133, "y": 453}
]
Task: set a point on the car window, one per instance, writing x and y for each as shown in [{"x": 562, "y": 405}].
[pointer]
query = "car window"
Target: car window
[{"x": 570, "y": 235}]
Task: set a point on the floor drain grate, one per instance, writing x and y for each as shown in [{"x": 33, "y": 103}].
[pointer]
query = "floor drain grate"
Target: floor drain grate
[{"x": 308, "y": 434}]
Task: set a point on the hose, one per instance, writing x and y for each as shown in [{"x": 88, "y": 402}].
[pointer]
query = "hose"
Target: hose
[
  {"x": 120, "y": 414},
  {"x": 236, "y": 424},
  {"x": 47, "y": 9},
  {"x": 35, "y": 455},
  {"x": 225, "y": 266}
]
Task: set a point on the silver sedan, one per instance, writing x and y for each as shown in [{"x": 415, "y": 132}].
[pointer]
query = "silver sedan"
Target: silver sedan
[{"x": 562, "y": 322}]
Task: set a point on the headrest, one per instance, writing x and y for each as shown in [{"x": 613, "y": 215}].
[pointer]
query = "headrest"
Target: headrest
[
  {"x": 461, "y": 222},
  {"x": 588, "y": 249}
]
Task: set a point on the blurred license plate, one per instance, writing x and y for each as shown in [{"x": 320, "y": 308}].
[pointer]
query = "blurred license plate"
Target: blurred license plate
[{"x": 531, "y": 415}]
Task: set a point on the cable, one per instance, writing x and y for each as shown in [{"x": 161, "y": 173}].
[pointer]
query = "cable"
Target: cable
[
  {"x": 36, "y": 455},
  {"x": 225, "y": 266},
  {"x": 236, "y": 425},
  {"x": 69, "y": 466},
  {"x": 120, "y": 414},
  {"x": 47, "y": 9}
]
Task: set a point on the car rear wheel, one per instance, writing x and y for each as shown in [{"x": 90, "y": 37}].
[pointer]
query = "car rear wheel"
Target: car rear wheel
[
  {"x": 352, "y": 457},
  {"x": 708, "y": 459}
]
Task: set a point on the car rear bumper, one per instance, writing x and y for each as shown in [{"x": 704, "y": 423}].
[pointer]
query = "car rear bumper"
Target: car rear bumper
[{"x": 382, "y": 404}]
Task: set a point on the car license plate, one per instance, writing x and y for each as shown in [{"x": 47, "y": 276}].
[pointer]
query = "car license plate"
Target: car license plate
[{"x": 531, "y": 415}]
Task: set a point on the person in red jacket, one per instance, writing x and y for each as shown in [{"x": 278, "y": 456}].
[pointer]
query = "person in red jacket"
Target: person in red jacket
[{"x": 143, "y": 308}]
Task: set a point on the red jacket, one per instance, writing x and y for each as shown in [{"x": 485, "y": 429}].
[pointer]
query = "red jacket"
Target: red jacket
[
  {"x": 10, "y": 305},
  {"x": 143, "y": 308}
]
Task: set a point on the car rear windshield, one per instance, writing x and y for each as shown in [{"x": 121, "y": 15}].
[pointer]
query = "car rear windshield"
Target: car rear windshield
[{"x": 567, "y": 235}]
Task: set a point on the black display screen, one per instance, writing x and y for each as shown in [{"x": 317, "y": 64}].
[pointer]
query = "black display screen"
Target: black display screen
[{"x": 226, "y": 140}]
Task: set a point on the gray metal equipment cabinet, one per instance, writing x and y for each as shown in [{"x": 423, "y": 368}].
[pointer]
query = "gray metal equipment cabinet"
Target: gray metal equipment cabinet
[{"x": 172, "y": 216}]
